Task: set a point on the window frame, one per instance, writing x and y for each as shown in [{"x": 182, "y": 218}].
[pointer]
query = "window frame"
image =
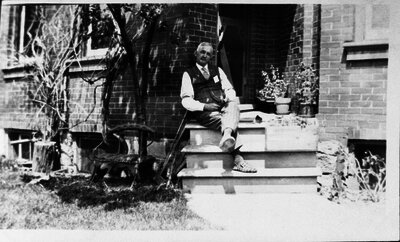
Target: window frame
[
  {"x": 93, "y": 52},
  {"x": 16, "y": 145},
  {"x": 363, "y": 26},
  {"x": 100, "y": 52},
  {"x": 361, "y": 47}
]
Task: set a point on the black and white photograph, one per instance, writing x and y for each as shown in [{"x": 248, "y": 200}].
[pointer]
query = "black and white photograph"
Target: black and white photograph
[{"x": 199, "y": 120}]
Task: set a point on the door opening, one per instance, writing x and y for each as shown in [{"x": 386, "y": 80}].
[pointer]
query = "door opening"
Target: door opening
[{"x": 232, "y": 48}]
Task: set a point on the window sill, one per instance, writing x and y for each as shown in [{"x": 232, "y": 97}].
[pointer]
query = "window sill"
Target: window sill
[
  {"x": 17, "y": 71},
  {"x": 88, "y": 64},
  {"x": 366, "y": 50},
  {"x": 84, "y": 64}
]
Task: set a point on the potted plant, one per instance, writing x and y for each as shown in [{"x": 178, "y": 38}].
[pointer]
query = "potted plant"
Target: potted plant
[
  {"x": 307, "y": 89},
  {"x": 275, "y": 90}
]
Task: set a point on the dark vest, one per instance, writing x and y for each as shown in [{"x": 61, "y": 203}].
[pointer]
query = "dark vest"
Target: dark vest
[{"x": 206, "y": 91}]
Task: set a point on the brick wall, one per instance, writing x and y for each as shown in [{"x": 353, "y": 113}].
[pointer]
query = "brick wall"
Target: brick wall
[
  {"x": 172, "y": 52},
  {"x": 352, "y": 94},
  {"x": 16, "y": 109},
  {"x": 194, "y": 23},
  {"x": 295, "y": 48}
]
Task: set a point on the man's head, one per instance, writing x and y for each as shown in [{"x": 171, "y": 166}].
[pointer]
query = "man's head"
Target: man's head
[{"x": 204, "y": 53}]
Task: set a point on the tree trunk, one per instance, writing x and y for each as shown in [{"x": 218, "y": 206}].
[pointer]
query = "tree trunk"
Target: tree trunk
[{"x": 44, "y": 154}]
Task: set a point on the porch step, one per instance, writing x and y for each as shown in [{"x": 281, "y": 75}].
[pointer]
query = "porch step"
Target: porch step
[
  {"x": 246, "y": 107},
  {"x": 250, "y": 134},
  {"x": 258, "y": 136},
  {"x": 269, "y": 180},
  {"x": 212, "y": 157},
  {"x": 285, "y": 158}
]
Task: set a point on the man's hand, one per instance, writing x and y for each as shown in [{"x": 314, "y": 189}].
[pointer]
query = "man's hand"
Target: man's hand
[{"x": 211, "y": 107}]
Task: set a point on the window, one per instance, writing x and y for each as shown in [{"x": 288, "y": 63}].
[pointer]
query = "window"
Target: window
[
  {"x": 371, "y": 35},
  {"x": 21, "y": 27},
  {"x": 21, "y": 142},
  {"x": 372, "y": 22},
  {"x": 102, "y": 29}
]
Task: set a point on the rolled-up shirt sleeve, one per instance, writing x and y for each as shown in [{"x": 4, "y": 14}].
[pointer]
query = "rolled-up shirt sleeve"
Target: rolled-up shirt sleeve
[
  {"x": 187, "y": 95},
  {"x": 230, "y": 93}
]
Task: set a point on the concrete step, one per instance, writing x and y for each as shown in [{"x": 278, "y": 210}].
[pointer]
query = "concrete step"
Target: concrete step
[
  {"x": 211, "y": 156},
  {"x": 270, "y": 180},
  {"x": 255, "y": 159},
  {"x": 258, "y": 136},
  {"x": 249, "y": 136},
  {"x": 246, "y": 107}
]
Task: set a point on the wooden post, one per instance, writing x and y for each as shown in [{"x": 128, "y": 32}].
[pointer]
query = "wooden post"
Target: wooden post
[{"x": 43, "y": 156}]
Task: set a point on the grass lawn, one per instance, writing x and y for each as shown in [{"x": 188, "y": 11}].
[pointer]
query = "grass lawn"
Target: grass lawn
[{"x": 76, "y": 203}]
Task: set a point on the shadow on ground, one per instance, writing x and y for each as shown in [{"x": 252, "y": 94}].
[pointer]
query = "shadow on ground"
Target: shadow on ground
[{"x": 112, "y": 193}]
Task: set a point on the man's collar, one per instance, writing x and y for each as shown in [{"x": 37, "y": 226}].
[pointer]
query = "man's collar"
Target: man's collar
[{"x": 201, "y": 67}]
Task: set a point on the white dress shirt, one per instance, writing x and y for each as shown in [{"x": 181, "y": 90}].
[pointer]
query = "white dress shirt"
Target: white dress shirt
[{"x": 187, "y": 92}]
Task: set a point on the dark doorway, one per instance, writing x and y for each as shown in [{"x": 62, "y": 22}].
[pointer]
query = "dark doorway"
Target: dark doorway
[{"x": 232, "y": 49}]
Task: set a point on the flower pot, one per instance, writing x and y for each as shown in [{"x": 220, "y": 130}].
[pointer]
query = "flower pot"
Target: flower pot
[
  {"x": 307, "y": 110},
  {"x": 282, "y": 105}
]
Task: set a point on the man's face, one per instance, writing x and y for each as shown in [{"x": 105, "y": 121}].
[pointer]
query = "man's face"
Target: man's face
[{"x": 203, "y": 55}]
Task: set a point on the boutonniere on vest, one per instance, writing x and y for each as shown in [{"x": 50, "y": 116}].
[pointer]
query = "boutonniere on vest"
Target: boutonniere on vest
[{"x": 197, "y": 78}]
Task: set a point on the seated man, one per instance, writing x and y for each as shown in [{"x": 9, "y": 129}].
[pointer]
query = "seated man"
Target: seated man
[{"x": 207, "y": 92}]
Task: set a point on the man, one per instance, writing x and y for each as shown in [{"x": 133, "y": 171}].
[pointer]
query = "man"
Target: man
[{"x": 208, "y": 94}]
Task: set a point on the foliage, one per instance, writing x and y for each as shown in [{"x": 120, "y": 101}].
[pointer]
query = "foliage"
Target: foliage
[
  {"x": 306, "y": 83},
  {"x": 74, "y": 203},
  {"x": 55, "y": 41},
  {"x": 131, "y": 22},
  {"x": 102, "y": 26},
  {"x": 290, "y": 120},
  {"x": 61, "y": 38},
  {"x": 150, "y": 12},
  {"x": 370, "y": 177},
  {"x": 275, "y": 84}
]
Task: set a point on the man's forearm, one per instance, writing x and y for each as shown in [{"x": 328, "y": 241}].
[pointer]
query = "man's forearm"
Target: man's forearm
[{"x": 192, "y": 105}]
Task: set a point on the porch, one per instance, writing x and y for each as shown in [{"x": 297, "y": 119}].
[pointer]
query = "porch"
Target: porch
[{"x": 283, "y": 152}]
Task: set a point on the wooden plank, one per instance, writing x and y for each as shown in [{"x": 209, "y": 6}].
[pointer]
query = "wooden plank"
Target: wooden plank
[
  {"x": 255, "y": 159},
  {"x": 366, "y": 56},
  {"x": 244, "y": 125},
  {"x": 22, "y": 141},
  {"x": 228, "y": 187},
  {"x": 268, "y": 172},
  {"x": 215, "y": 149}
]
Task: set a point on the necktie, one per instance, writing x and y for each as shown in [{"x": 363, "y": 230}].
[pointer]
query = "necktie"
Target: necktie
[{"x": 205, "y": 73}]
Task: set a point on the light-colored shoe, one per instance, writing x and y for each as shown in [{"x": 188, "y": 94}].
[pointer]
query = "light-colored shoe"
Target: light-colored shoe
[
  {"x": 227, "y": 143},
  {"x": 242, "y": 166}
]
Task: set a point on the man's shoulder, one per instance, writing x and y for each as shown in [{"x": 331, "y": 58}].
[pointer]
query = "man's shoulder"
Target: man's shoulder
[
  {"x": 214, "y": 70},
  {"x": 191, "y": 70}
]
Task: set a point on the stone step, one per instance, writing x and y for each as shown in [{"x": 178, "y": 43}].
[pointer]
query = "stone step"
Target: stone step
[
  {"x": 256, "y": 159},
  {"x": 270, "y": 180},
  {"x": 258, "y": 136},
  {"x": 246, "y": 107},
  {"x": 214, "y": 149},
  {"x": 249, "y": 136}
]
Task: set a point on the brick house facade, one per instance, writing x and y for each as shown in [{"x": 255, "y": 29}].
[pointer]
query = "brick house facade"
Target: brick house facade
[{"x": 352, "y": 69}]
